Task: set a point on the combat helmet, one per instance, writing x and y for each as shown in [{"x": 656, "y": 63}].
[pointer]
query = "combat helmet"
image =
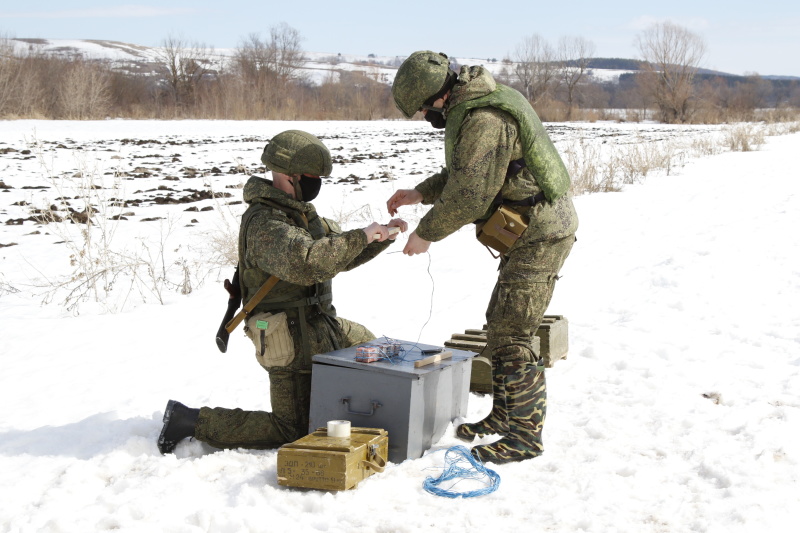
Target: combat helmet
[
  {"x": 294, "y": 152},
  {"x": 423, "y": 75}
]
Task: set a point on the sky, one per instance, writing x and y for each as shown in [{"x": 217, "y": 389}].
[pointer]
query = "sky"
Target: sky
[
  {"x": 675, "y": 410},
  {"x": 742, "y": 37}
]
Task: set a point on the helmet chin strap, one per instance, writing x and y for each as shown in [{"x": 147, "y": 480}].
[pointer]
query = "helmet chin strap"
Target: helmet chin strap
[{"x": 434, "y": 109}]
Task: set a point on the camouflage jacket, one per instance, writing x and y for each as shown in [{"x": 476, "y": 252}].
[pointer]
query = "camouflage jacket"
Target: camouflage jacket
[
  {"x": 287, "y": 238},
  {"x": 489, "y": 139}
]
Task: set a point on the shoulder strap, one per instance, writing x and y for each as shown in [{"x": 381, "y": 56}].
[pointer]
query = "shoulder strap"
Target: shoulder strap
[{"x": 254, "y": 301}]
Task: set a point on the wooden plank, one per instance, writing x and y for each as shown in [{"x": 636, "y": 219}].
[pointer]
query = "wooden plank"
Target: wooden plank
[
  {"x": 435, "y": 358},
  {"x": 466, "y": 345},
  {"x": 465, "y": 337}
]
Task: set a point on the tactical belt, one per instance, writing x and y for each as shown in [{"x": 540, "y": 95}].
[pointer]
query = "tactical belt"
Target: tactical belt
[
  {"x": 301, "y": 303},
  {"x": 531, "y": 201}
]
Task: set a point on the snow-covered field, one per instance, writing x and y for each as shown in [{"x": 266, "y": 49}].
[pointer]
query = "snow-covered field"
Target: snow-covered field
[{"x": 676, "y": 410}]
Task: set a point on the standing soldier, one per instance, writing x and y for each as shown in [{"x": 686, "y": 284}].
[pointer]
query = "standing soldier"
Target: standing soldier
[
  {"x": 282, "y": 235},
  {"x": 503, "y": 173}
]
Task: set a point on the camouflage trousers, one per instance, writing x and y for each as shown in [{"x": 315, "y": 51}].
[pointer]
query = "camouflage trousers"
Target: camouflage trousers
[
  {"x": 290, "y": 397},
  {"x": 528, "y": 273},
  {"x": 524, "y": 288}
]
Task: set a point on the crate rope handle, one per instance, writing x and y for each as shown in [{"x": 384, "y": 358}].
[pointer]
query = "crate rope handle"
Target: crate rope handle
[{"x": 375, "y": 461}]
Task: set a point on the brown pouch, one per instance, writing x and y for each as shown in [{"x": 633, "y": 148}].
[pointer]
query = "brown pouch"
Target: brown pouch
[
  {"x": 271, "y": 336},
  {"x": 501, "y": 230}
]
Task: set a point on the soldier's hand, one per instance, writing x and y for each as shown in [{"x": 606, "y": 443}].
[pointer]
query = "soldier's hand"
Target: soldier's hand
[
  {"x": 376, "y": 232},
  {"x": 416, "y": 245},
  {"x": 401, "y": 198},
  {"x": 397, "y": 223}
]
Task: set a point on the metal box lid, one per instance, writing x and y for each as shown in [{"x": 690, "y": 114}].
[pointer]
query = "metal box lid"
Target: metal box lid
[{"x": 402, "y": 364}]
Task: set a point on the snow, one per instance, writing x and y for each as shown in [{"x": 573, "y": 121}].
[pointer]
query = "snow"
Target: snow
[
  {"x": 676, "y": 409},
  {"x": 90, "y": 49},
  {"x": 608, "y": 75}
]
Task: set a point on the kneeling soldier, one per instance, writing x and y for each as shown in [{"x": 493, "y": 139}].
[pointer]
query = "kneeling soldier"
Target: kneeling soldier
[{"x": 281, "y": 235}]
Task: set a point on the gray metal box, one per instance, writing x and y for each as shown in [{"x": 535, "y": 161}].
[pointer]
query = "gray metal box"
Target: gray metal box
[{"x": 414, "y": 405}]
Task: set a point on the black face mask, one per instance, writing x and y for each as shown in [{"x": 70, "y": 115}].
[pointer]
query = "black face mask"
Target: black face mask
[
  {"x": 436, "y": 119},
  {"x": 309, "y": 187}
]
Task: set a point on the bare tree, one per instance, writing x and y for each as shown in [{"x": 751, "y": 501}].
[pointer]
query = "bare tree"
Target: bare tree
[
  {"x": 268, "y": 67},
  {"x": 252, "y": 67},
  {"x": 574, "y": 55},
  {"x": 83, "y": 91},
  {"x": 252, "y": 58},
  {"x": 535, "y": 67},
  {"x": 281, "y": 57},
  {"x": 184, "y": 67},
  {"x": 287, "y": 56},
  {"x": 28, "y": 78},
  {"x": 793, "y": 98},
  {"x": 9, "y": 73},
  {"x": 672, "y": 55}
]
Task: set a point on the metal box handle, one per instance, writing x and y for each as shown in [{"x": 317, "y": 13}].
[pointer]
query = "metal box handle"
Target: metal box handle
[{"x": 375, "y": 405}]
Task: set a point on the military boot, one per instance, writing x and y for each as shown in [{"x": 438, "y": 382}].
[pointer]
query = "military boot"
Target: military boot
[
  {"x": 526, "y": 401},
  {"x": 497, "y": 420},
  {"x": 179, "y": 423}
]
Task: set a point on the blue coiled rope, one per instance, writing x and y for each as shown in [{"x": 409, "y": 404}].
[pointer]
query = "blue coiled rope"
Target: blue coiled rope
[{"x": 459, "y": 464}]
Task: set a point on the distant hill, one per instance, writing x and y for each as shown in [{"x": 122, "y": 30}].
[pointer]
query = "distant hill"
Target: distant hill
[
  {"x": 318, "y": 66},
  {"x": 614, "y": 63}
]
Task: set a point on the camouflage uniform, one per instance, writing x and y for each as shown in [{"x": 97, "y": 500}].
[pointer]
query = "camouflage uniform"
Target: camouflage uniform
[
  {"x": 286, "y": 238},
  {"x": 487, "y": 142}
]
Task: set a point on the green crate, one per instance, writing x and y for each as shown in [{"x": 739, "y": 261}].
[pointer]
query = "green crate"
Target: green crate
[{"x": 551, "y": 342}]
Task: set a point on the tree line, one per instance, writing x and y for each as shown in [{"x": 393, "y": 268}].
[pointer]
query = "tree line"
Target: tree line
[{"x": 265, "y": 79}]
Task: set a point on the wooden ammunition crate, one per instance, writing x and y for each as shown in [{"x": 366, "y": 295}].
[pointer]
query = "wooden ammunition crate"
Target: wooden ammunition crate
[
  {"x": 551, "y": 341},
  {"x": 553, "y": 338},
  {"x": 317, "y": 461}
]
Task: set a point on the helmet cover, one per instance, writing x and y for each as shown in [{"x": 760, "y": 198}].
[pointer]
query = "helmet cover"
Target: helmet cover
[
  {"x": 294, "y": 152},
  {"x": 422, "y": 75}
]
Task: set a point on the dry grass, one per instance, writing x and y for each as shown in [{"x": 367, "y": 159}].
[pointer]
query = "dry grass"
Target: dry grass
[
  {"x": 104, "y": 268},
  {"x": 745, "y": 137},
  {"x": 599, "y": 167}
]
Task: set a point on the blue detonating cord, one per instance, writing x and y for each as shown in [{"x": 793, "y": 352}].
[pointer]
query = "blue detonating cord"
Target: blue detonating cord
[{"x": 460, "y": 464}]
